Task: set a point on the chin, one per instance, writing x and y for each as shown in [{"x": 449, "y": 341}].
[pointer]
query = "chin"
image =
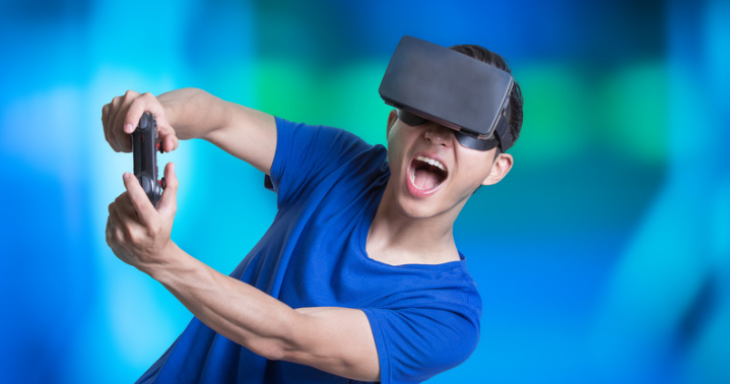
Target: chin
[
  {"x": 420, "y": 209},
  {"x": 416, "y": 211},
  {"x": 434, "y": 206}
]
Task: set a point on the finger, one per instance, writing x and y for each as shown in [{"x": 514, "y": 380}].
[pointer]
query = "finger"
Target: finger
[
  {"x": 105, "y": 113},
  {"x": 122, "y": 132},
  {"x": 113, "y": 111},
  {"x": 170, "y": 143},
  {"x": 146, "y": 102},
  {"x": 116, "y": 226},
  {"x": 168, "y": 136},
  {"x": 134, "y": 113},
  {"x": 105, "y": 110},
  {"x": 126, "y": 208},
  {"x": 128, "y": 216},
  {"x": 122, "y": 140},
  {"x": 147, "y": 213},
  {"x": 168, "y": 200},
  {"x": 108, "y": 231}
]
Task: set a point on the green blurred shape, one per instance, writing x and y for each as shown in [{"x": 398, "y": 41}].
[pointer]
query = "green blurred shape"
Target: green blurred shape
[
  {"x": 635, "y": 112},
  {"x": 289, "y": 90},
  {"x": 355, "y": 102},
  {"x": 346, "y": 97},
  {"x": 557, "y": 112},
  {"x": 233, "y": 81}
]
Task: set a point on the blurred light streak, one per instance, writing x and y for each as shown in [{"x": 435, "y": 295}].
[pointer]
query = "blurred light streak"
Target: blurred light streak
[{"x": 665, "y": 294}]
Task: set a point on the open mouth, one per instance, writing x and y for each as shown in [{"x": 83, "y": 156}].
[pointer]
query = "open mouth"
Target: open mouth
[{"x": 426, "y": 174}]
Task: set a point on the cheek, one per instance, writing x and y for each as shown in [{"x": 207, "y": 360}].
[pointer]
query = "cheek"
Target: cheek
[
  {"x": 393, "y": 156},
  {"x": 475, "y": 167},
  {"x": 396, "y": 147}
]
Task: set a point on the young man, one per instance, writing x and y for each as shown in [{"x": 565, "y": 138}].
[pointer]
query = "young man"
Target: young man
[{"x": 358, "y": 278}]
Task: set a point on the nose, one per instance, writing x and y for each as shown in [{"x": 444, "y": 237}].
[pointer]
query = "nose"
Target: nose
[{"x": 438, "y": 134}]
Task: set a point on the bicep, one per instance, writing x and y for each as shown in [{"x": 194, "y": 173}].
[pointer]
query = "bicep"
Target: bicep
[
  {"x": 249, "y": 135},
  {"x": 335, "y": 340},
  {"x": 418, "y": 343}
]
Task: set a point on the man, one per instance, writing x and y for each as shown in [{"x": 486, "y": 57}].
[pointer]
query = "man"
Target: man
[{"x": 358, "y": 278}]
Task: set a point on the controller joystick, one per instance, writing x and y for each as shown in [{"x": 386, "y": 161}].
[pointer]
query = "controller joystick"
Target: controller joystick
[{"x": 144, "y": 151}]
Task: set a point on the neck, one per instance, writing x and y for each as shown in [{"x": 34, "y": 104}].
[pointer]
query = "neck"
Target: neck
[{"x": 401, "y": 239}]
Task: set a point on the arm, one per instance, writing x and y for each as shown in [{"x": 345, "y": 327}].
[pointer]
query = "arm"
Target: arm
[
  {"x": 335, "y": 340},
  {"x": 245, "y": 133},
  {"x": 190, "y": 113}
]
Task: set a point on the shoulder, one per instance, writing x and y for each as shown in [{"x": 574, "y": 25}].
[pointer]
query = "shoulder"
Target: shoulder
[
  {"x": 302, "y": 136},
  {"x": 321, "y": 148},
  {"x": 307, "y": 155}
]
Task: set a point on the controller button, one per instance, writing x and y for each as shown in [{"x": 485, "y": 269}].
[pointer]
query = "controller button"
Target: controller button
[
  {"x": 143, "y": 122},
  {"x": 146, "y": 184},
  {"x": 162, "y": 183}
]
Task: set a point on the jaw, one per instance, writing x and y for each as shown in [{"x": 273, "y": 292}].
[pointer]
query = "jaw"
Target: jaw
[{"x": 435, "y": 210}]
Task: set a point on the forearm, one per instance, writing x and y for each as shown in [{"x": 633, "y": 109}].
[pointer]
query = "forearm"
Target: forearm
[
  {"x": 245, "y": 133},
  {"x": 194, "y": 113},
  {"x": 232, "y": 308}
]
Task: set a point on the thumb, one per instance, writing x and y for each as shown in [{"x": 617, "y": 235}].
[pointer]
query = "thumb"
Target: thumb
[{"x": 168, "y": 201}]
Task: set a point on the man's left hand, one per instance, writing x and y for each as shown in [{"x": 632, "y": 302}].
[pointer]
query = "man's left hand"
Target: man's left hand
[{"x": 138, "y": 233}]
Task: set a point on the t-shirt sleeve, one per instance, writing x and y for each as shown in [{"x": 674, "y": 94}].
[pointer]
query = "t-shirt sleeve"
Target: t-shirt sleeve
[
  {"x": 415, "y": 344},
  {"x": 306, "y": 154}
]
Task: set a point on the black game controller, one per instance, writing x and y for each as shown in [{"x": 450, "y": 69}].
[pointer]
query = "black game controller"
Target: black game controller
[{"x": 144, "y": 149}]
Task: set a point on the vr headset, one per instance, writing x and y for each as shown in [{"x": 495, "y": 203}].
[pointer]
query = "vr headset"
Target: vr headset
[{"x": 428, "y": 82}]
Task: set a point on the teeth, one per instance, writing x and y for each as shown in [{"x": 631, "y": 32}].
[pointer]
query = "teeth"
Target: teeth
[{"x": 432, "y": 162}]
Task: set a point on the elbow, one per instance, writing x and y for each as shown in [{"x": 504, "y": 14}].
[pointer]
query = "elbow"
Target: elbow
[
  {"x": 282, "y": 344},
  {"x": 269, "y": 348},
  {"x": 273, "y": 352}
]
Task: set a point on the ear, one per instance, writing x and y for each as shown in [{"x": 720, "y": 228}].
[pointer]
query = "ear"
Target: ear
[
  {"x": 500, "y": 168},
  {"x": 392, "y": 117}
]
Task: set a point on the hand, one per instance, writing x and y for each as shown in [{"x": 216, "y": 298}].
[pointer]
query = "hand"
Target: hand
[
  {"x": 138, "y": 233},
  {"x": 121, "y": 117}
]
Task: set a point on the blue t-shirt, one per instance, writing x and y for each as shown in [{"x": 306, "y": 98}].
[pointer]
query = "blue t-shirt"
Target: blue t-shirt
[{"x": 424, "y": 318}]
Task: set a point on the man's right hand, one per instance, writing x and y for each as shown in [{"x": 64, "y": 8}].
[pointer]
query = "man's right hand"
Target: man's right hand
[
  {"x": 245, "y": 133},
  {"x": 121, "y": 116}
]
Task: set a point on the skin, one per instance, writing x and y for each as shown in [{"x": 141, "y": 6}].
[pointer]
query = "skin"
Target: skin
[{"x": 406, "y": 229}]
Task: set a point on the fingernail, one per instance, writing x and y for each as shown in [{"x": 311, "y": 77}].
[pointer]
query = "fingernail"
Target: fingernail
[
  {"x": 126, "y": 175},
  {"x": 128, "y": 128}
]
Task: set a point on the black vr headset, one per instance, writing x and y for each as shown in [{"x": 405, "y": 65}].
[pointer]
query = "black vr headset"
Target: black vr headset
[{"x": 425, "y": 81}]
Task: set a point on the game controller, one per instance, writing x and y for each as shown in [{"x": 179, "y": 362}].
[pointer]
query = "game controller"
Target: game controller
[{"x": 144, "y": 150}]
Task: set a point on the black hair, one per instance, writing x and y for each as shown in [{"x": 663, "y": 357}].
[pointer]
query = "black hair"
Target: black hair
[{"x": 515, "y": 99}]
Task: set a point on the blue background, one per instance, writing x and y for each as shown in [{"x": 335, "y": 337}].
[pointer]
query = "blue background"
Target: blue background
[{"x": 604, "y": 256}]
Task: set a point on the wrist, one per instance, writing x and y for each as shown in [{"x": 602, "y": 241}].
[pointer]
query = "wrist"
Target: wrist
[
  {"x": 171, "y": 111},
  {"x": 194, "y": 113},
  {"x": 223, "y": 113},
  {"x": 170, "y": 259},
  {"x": 175, "y": 106}
]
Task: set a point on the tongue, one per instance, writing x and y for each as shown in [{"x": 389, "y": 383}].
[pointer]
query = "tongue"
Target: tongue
[{"x": 425, "y": 179}]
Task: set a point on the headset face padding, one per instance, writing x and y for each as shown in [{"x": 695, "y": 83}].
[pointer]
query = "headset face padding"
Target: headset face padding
[
  {"x": 464, "y": 139},
  {"x": 411, "y": 118}
]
